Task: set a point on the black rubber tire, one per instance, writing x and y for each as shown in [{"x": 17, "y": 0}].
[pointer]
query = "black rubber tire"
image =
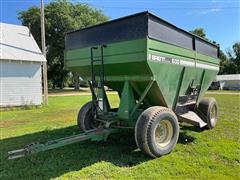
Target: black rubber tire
[
  {"x": 85, "y": 119},
  {"x": 204, "y": 111},
  {"x": 144, "y": 130}
]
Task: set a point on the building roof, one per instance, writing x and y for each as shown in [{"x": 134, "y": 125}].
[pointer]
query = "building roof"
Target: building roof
[
  {"x": 228, "y": 77},
  {"x": 16, "y": 43}
]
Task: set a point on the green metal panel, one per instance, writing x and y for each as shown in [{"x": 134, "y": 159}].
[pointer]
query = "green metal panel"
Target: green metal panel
[
  {"x": 168, "y": 73},
  {"x": 167, "y": 81},
  {"x": 130, "y": 57},
  {"x": 144, "y": 60},
  {"x": 127, "y": 102}
]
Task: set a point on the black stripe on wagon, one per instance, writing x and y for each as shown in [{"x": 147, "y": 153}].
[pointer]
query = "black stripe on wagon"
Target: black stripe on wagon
[{"x": 140, "y": 25}]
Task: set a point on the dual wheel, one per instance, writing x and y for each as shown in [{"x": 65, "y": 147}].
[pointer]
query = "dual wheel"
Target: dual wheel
[
  {"x": 157, "y": 131},
  {"x": 208, "y": 111},
  {"x": 157, "y": 128}
]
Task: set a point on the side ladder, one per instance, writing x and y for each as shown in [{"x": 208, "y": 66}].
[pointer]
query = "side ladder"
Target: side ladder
[{"x": 97, "y": 85}]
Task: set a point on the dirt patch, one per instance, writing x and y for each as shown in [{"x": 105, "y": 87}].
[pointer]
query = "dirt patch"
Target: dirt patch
[{"x": 11, "y": 123}]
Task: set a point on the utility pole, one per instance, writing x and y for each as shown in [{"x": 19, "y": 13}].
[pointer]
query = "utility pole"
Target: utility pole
[{"x": 44, "y": 66}]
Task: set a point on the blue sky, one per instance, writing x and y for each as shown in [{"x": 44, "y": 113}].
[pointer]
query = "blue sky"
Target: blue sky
[{"x": 219, "y": 18}]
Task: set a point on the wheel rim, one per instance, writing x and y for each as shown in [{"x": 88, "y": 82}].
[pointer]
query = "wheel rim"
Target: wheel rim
[
  {"x": 163, "y": 133},
  {"x": 213, "y": 114},
  {"x": 93, "y": 123}
]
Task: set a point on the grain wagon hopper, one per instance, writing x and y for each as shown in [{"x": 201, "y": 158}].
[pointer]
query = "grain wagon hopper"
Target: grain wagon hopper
[{"x": 159, "y": 71}]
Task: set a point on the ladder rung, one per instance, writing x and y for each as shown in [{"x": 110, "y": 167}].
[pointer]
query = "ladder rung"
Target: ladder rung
[{"x": 96, "y": 60}]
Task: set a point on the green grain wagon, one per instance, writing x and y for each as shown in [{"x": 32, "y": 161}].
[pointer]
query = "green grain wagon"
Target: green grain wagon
[{"x": 159, "y": 71}]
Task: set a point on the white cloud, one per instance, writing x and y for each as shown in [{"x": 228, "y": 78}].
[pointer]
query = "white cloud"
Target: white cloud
[
  {"x": 203, "y": 12},
  {"x": 209, "y": 11}
]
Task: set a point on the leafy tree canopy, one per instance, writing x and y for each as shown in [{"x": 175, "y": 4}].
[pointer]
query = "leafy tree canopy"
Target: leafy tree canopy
[
  {"x": 61, "y": 16},
  {"x": 199, "y": 31},
  {"x": 233, "y": 65}
]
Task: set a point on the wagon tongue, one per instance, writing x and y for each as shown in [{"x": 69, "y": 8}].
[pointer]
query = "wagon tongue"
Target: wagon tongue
[
  {"x": 22, "y": 152},
  {"x": 94, "y": 135}
]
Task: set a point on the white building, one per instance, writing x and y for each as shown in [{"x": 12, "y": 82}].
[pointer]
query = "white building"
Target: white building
[
  {"x": 20, "y": 67},
  {"x": 229, "y": 81}
]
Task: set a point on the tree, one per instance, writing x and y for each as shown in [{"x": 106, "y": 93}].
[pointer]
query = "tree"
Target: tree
[
  {"x": 61, "y": 16},
  {"x": 199, "y": 31},
  {"x": 223, "y": 62},
  {"x": 230, "y": 64},
  {"x": 234, "y": 58}
]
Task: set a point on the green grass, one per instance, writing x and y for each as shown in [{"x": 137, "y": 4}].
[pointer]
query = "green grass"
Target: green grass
[
  {"x": 223, "y": 91},
  {"x": 69, "y": 91},
  {"x": 199, "y": 154}
]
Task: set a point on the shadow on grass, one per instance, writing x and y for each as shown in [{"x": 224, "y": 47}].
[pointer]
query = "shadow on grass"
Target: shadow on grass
[
  {"x": 120, "y": 149},
  {"x": 191, "y": 128},
  {"x": 184, "y": 138}
]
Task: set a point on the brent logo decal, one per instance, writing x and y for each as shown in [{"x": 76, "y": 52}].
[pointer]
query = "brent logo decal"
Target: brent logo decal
[{"x": 163, "y": 59}]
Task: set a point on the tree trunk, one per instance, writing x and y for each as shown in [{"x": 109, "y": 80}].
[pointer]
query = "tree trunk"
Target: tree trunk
[{"x": 76, "y": 81}]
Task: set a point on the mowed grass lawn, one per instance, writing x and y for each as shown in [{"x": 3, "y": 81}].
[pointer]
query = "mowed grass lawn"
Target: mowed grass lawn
[{"x": 205, "y": 154}]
